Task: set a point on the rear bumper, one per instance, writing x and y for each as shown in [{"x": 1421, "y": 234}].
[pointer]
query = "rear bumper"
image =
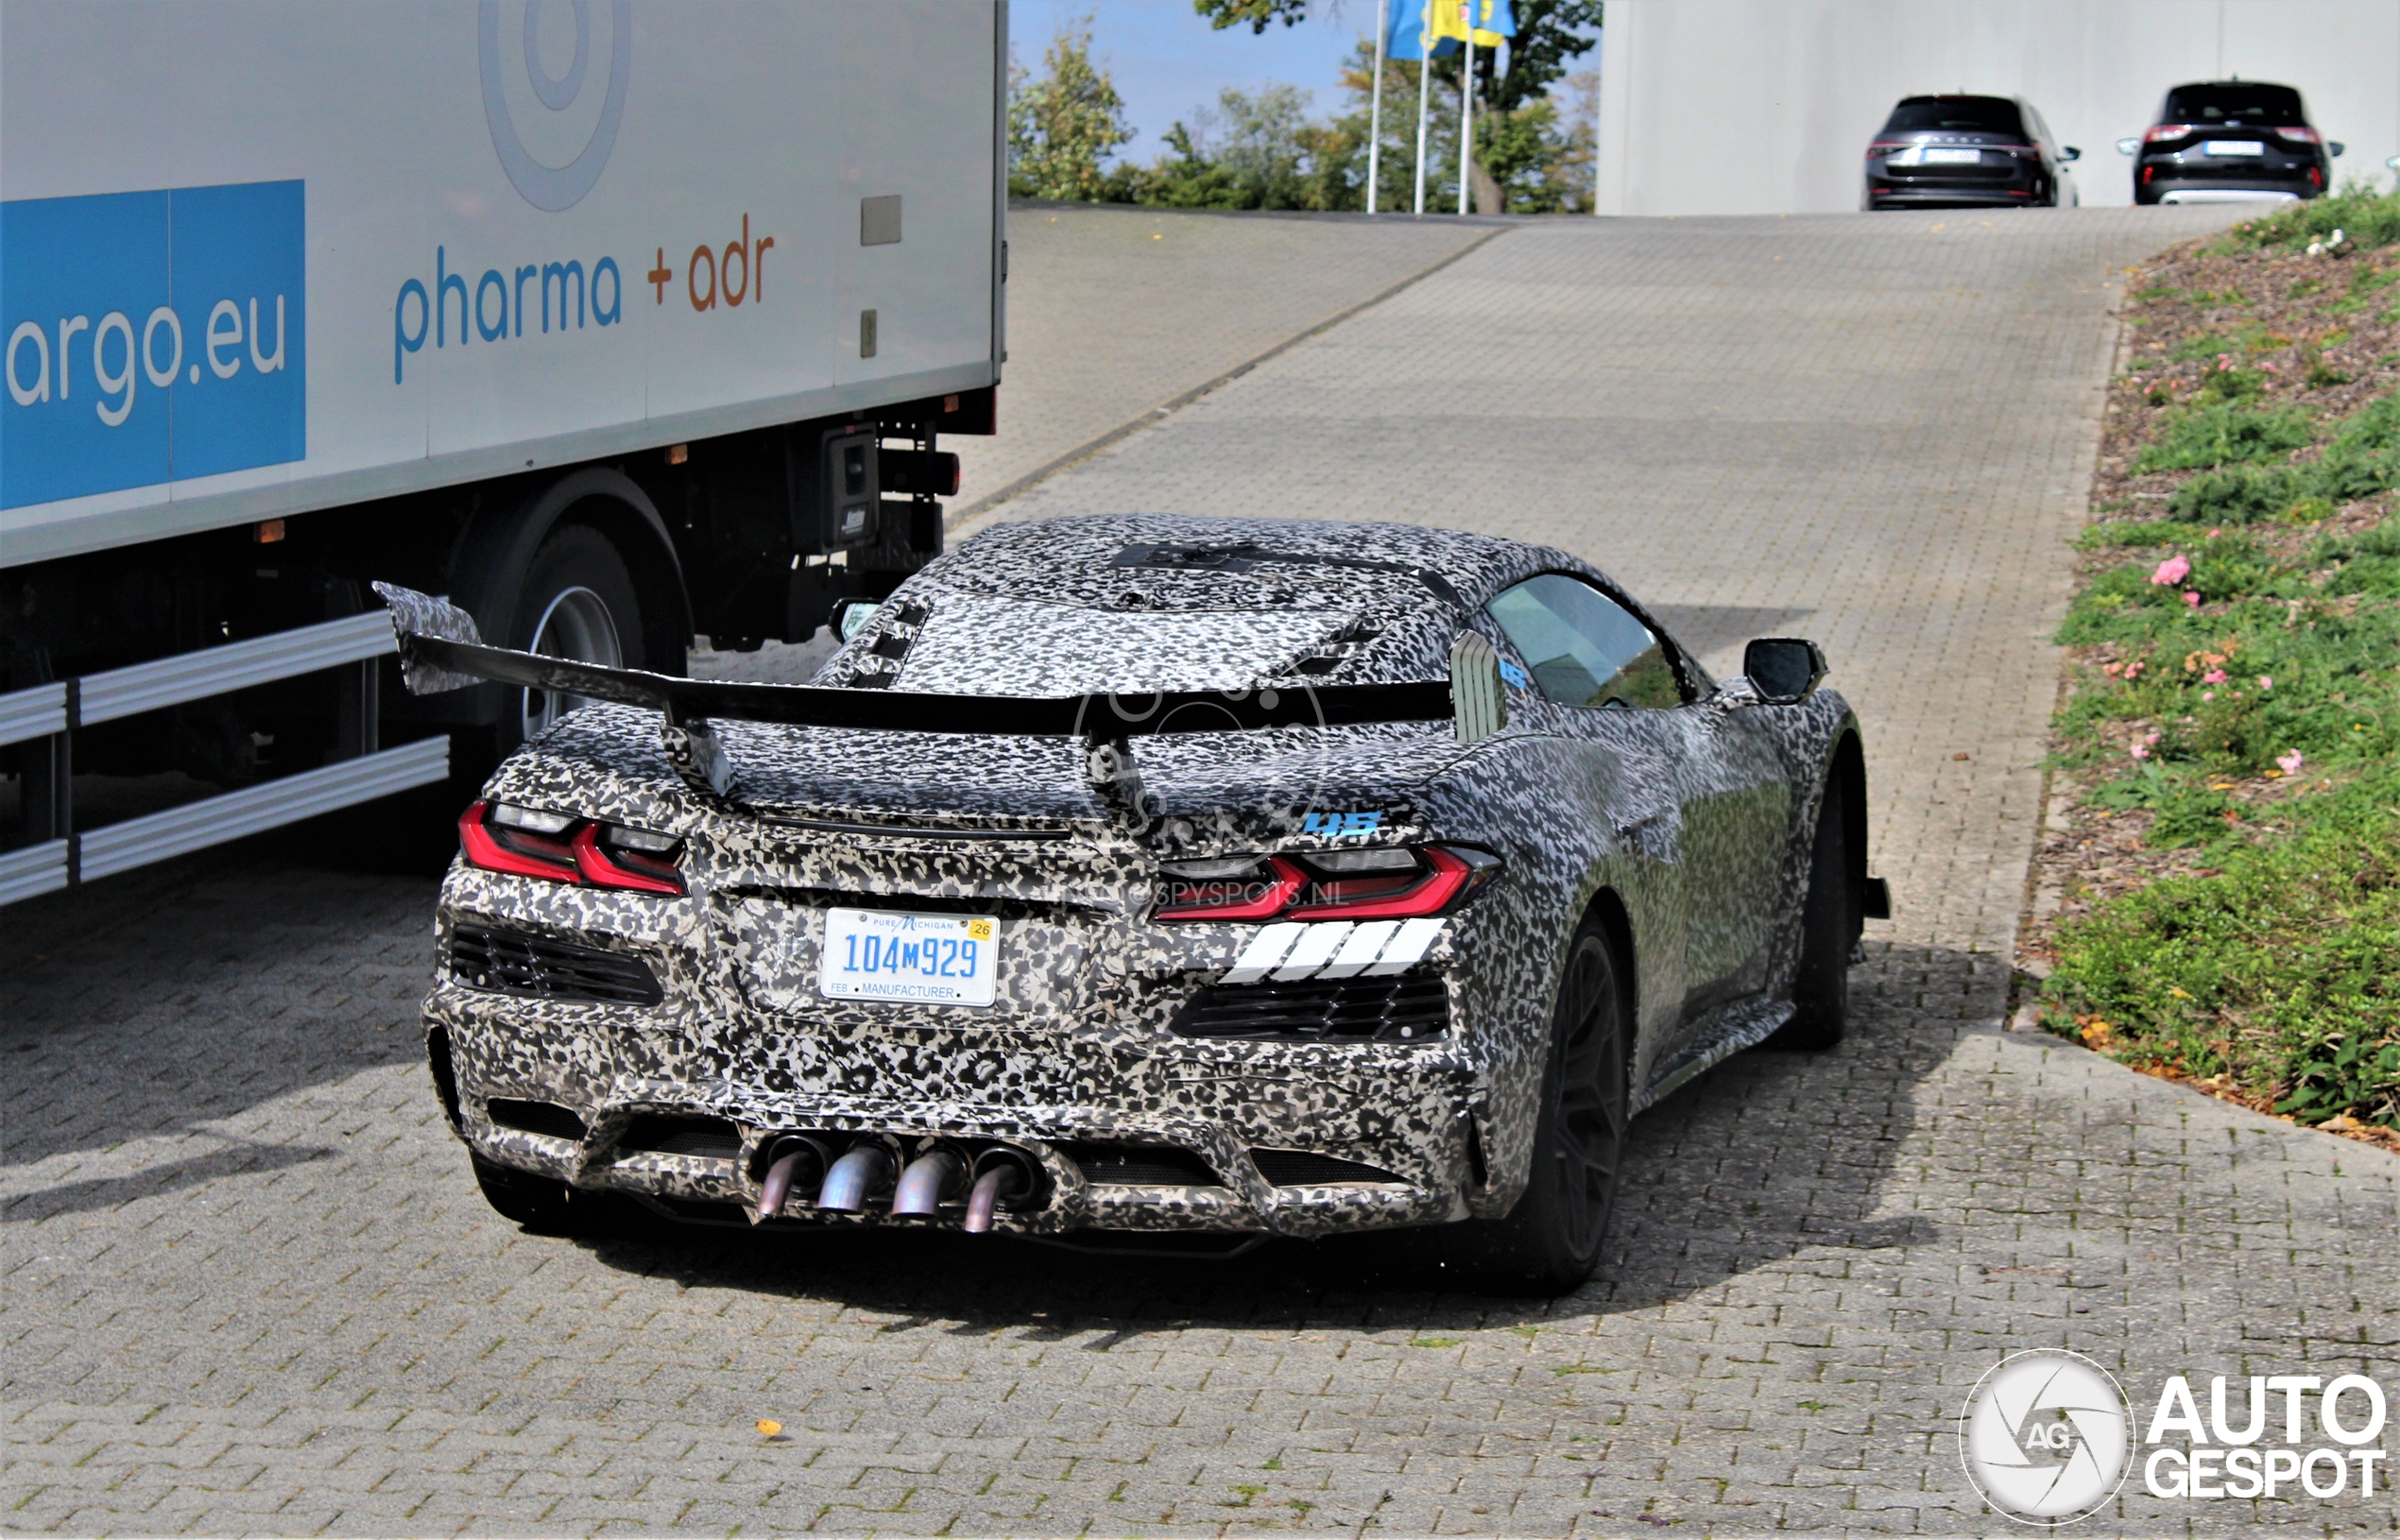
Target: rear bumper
[
  {"x": 2221, "y": 191},
  {"x": 2019, "y": 191},
  {"x": 1403, "y": 1114}
]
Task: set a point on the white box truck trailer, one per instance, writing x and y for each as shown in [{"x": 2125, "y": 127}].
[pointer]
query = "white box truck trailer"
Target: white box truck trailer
[{"x": 615, "y": 320}]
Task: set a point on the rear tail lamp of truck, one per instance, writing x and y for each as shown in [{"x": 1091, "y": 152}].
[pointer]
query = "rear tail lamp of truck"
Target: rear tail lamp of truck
[
  {"x": 1384, "y": 883},
  {"x": 525, "y": 842}
]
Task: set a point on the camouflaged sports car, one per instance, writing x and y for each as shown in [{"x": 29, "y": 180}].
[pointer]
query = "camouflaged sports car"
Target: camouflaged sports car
[{"x": 1142, "y": 874}]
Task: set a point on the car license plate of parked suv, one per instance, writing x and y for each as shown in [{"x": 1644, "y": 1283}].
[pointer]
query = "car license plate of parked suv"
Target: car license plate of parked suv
[
  {"x": 2233, "y": 147},
  {"x": 927, "y": 959},
  {"x": 1953, "y": 157}
]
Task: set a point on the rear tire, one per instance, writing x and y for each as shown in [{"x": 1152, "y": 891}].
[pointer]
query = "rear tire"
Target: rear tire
[
  {"x": 577, "y": 601},
  {"x": 545, "y": 1204},
  {"x": 1821, "y": 992},
  {"x": 1550, "y": 1241}
]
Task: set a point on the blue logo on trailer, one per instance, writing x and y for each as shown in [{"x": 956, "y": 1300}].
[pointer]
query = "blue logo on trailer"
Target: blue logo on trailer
[{"x": 151, "y": 337}]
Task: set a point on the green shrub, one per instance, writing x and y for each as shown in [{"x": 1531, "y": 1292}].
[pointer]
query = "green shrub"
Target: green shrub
[
  {"x": 2277, "y": 972},
  {"x": 2370, "y": 218},
  {"x": 2204, "y": 437},
  {"x": 2246, "y": 496}
]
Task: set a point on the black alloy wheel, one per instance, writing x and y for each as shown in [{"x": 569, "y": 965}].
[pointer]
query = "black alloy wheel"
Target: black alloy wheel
[
  {"x": 545, "y": 1204},
  {"x": 1821, "y": 992},
  {"x": 1550, "y": 1241}
]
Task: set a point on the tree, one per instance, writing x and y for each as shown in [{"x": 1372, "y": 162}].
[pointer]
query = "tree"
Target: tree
[
  {"x": 1550, "y": 35},
  {"x": 1063, "y": 125}
]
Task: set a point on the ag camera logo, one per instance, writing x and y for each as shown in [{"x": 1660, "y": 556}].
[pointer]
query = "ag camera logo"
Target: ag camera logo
[{"x": 2047, "y": 1437}]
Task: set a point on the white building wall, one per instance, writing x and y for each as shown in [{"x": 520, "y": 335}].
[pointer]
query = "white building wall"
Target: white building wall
[{"x": 1766, "y": 106}]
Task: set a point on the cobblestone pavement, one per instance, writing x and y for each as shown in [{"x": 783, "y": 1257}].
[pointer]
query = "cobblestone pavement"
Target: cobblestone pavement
[{"x": 249, "y": 1285}]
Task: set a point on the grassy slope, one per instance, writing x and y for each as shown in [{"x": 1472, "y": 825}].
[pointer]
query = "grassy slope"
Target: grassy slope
[{"x": 2235, "y": 681}]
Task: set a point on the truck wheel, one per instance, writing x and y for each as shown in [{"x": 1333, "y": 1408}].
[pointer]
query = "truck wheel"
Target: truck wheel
[
  {"x": 577, "y": 602},
  {"x": 1821, "y": 993},
  {"x": 1549, "y": 1242}
]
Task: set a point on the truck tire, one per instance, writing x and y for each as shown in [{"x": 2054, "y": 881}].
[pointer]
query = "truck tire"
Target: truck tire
[
  {"x": 1549, "y": 1242},
  {"x": 577, "y": 601}
]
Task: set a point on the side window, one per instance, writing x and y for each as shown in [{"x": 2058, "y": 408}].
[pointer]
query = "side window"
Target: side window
[{"x": 1585, "y": 648}]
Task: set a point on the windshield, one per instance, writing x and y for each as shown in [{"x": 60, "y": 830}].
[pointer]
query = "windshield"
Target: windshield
[
  {"x": 1959, "y": 114},
  {"x": 2257, "y": 107}
]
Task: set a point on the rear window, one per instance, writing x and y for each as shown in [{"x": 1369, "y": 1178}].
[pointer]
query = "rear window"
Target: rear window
[
  {"x": 1958, "y": 114},
  {"x": 2262, "y": 107}
]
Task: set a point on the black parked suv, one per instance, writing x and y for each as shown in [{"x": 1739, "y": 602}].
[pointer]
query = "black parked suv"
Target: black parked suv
[
  {"x": 2231, "y": 141},
  {"x": 1963, "y": 151}
]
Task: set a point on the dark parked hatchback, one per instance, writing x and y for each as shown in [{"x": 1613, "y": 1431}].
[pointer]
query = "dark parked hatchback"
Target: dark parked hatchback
[
  {"x": 2230, "y": 142},
  {"x": 1957, "y": 151}
]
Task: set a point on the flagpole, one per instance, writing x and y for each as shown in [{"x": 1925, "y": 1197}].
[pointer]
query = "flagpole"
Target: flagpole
[
  {"x": 1466, "y": 104},
  {"x": 1375, "y": 112},
  {"x": 1424, "y": 89}
]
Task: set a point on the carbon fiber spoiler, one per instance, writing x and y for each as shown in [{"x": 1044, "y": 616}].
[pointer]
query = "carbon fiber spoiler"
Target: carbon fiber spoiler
[{"x": 441, "y": 650}]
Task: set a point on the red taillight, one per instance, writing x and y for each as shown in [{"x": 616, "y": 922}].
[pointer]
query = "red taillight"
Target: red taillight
[
  {"x": 1402, "y": 884},
  {"x": 2300, "y": 136},
  {"x": 627, "y": 869},
  {"x": 1426, "y": 892},
  {"x": 2147, "y": 171},
  {"x": 516, "y": 851},
  {"x": 574, "y": 853},
  {"x": 1885, "y": 147},
  {"x": 2167, "y": 130},
  {"x": 1263, "y": 893},
  {"x": 2316, "y": 177}
]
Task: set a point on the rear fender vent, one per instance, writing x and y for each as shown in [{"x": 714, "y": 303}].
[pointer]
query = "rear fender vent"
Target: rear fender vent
[
  {"x": 537, "y": 967},
  {"x": 1405, "y": 1008},
  {"x": 1140, "y": 1165},
  {"x": 678, "y": 1134},
  {"x": 1305, "y": 1168},
  {"x": 548, "y": 1119}
]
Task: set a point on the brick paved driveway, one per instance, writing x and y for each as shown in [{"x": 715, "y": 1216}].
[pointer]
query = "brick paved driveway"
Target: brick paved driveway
[{"x": 249, "y": 1285}]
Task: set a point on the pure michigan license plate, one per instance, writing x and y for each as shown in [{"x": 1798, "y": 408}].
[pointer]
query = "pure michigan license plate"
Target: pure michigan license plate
[{"x": 930, "y": 958}]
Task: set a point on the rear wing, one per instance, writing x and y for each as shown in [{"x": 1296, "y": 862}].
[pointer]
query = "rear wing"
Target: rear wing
[{"x": 440, "y": 649}]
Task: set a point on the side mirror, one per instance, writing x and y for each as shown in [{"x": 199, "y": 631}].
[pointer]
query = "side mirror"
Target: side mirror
[
  {"x": 1783, "y": 669},
  {"x": 2335, "y": 146},
  {"x": 2071, "y": 153},
  {"x": 848, "y": 617},
  {"x": 2392, "y": 162},
  {"x": 2129, "y": 146}
]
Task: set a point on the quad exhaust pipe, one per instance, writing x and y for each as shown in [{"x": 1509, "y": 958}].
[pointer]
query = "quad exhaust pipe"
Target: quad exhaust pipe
[
  {"x": 793, "y": 1166},
  {"x": 862, "y": 1173},
  {"x": 792, "y": 1161},
  {"x": 927, "y": 1184},
  {"x": 1001, "y": 1174}
]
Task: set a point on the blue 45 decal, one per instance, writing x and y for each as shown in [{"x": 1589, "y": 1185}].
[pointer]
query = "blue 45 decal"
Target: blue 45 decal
[{"x": 1342, "y": 826}]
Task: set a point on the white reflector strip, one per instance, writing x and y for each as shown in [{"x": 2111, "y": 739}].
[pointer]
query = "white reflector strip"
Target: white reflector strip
[
  {"x": 1316, "y": 948},
  {"x": 1265, "y": 949},
  {"x": 1364, "y": 945},
  {"x": 1408, "y": 947}
]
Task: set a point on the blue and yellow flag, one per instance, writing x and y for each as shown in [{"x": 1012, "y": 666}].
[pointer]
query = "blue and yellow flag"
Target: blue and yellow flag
[{"x": 1444, "y": 24}]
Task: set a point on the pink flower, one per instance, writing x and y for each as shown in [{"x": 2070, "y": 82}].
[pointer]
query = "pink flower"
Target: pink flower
[
  {"x": 2291, "y": 762},
  {"x": 2213, "y": 532},
  {"x": 2139, "y": 751},
  {"x": 2133, "y": 669},
  {"x": 2192, "y": 599},
  {"x": 2172, "y": 571},
  {"x": 2208, "y": 694},
  {"x": 2214, "y": 676},
  {"x": 2266, "y": 683}
]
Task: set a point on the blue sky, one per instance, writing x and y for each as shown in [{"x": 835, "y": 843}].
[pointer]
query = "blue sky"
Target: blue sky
[{"x": 1167, "y": 61}]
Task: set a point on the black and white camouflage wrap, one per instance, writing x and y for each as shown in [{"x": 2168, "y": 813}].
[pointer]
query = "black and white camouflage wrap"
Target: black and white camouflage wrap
[{"x": 1697, "y": 820}]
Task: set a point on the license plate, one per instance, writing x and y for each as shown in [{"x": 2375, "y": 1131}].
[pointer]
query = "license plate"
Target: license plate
[
  {"x": 1953, "y": 157},
  {"x": 926, "y": 959},
  {"x": 2233, "y": 147}
]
